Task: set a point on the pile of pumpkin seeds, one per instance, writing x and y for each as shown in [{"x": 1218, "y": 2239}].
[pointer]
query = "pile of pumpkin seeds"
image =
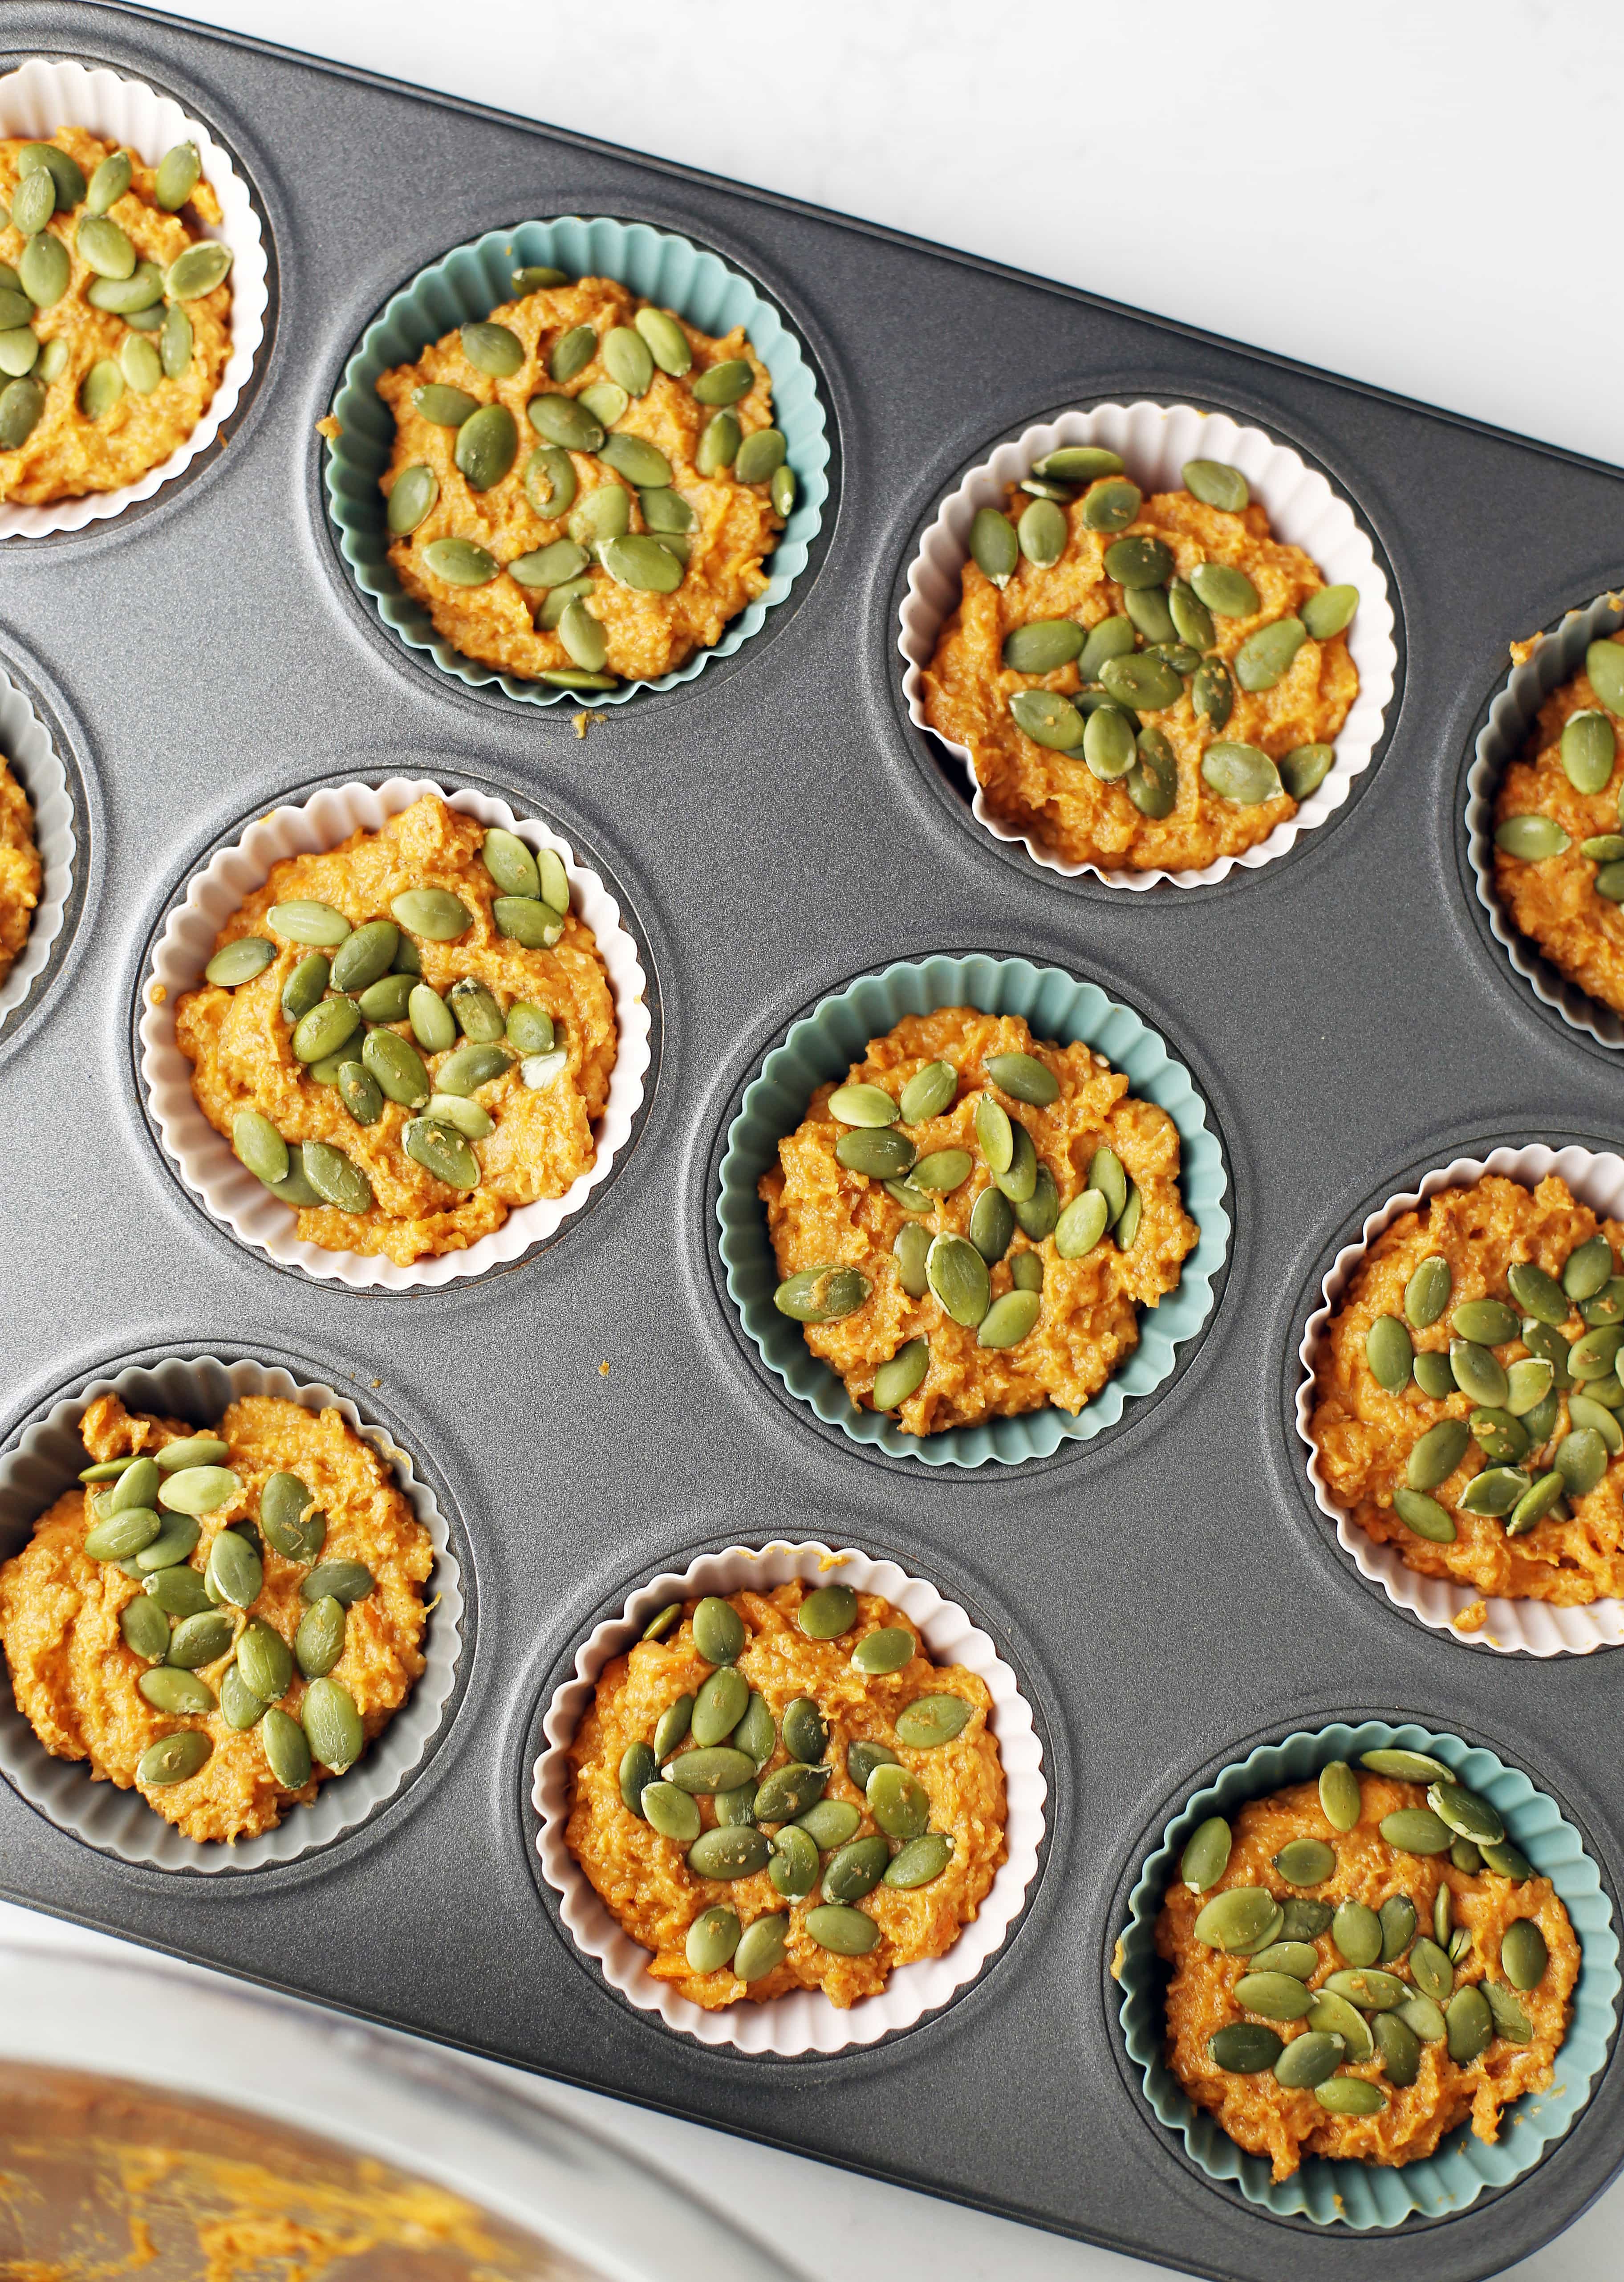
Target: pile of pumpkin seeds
[
  {"x": 714, "y": 1744},
  {"x": 1588, "y": 752},
  {"x": 157, "y": 340},
  {"x": 146, "y": 1524},
  {"x": 1535, "y": 1458},
  {"x": 1366, "y": 2008},
  {"x": 1164, "y": 641},
  {"x": 598, "y": 540},
  {"x": 956, "y": 1270},
  {"x": 362, "y": 1018}
]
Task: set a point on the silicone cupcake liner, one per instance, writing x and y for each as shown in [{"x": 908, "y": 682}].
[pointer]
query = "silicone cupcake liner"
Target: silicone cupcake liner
[
  {"x": 1557, "y": 657},
  {"x": 1531, "y": 1627},
  {"x": 226, "y": 1189},
  {"x": 1155, "y": 440},
  {"x": 25, "y": 743},
  {"x": 1373, "y": 2195},
  {"x": 44, "y": 95},
  {"x": 45, "y": 1460},
  {"x": 822, "y": 1046},
  {"x": 804, "y": 2021},
  {"x": 467, "y": 284}
]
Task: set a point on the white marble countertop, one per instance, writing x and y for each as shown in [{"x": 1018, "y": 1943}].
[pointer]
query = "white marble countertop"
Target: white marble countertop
[{"x": 1374, "y": 190}]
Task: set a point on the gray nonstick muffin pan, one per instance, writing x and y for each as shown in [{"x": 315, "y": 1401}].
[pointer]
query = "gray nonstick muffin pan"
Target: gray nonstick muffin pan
[{"x": 1166, "y": 1592}]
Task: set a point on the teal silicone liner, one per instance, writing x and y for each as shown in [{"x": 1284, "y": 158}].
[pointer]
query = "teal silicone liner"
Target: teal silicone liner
[
  {"x": 823, "y": 1046},
  {"x": 1370, "y": 2195},
  {"x": 467, "y": 283}
]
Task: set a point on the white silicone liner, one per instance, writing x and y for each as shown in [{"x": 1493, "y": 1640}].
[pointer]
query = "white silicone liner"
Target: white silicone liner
[
  {"x": 45, "y": 1460},
  {"x": 1556, "y": 656},
  {"x": 25, "y": 742},
  {"x": 804, "y": 2021},
  {"x": 1512, "y": 1627},
  {"x": 44, "y": 95},
  {"x": 227, "y": 1191},
  {"x": 1154, "y": 441}
]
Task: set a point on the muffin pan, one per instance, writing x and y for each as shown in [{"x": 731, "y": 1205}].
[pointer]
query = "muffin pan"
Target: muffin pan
[{"x": 1167, "y": 1592}]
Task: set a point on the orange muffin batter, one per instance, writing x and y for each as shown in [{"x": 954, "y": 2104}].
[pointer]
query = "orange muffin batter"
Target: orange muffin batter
[
  {"x": 1567, "y": 901},
  {"x": 529, "y": 1127},
  {"x": 147, "y": 397},
  {"x": 1092, "y": 1134},
  {"x": 63, "y": 1613},
  {"x": 646, "y": 1880},
  {"x": 570, "y": 498},
  {"x": 1118, "y": 821},
  {"x": 20, "y": 871},
  {"x": 1422, "y": 2083},
  {"x": 1366, "y": 1433}
]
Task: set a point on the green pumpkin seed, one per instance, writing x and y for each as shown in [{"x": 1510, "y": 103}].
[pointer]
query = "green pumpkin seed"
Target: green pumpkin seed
[
  {"x": 1588, "y": 1267},
  {"x": 863, "y": 1755},
  {"x": 929, "y": 1092},
  {"x": 790, "y": 1791},
  {"x": 199, "y": 271},
  {"x": 1356, "y": 1929},
  {"x": 199, "y": 1640},
  {"x": 178, "y": 175},
  {"x": 110, "y": 181},
  {"x": 1606, "y": 1306},
  {"x": 1433, "y": 1375},
  {"x": 1438, "y": 1453},
  {"x": 1523, "y": 1954},
  {"x": 306, "y": 986},
  {"x": 1415, "y": 1830},
  {"x": 993, "y": 545},
  {"x": 1470, "y": 2025},
  {"x": 1330, "y": 611},
  {"x": 1043, "y": 532},
  {"x": 886, "y": 1649},
  {"x": 145, "y": 1629},
  {"x": 1306, "y": 1862},
  {"x": 235, "y": 1572},
  {"x": 582, "y": 636},
  {"x": 930, "y": 1721},
  {"x": 1047, "y": 718},
  {"x": 179, "y": 1592},
  {"x": 647, "y": 565},
  {"x": 34, "y": 202},
  {"x": 827, "y": 1612},
  {"x": 1306, "y": 1920},
  {"x": 1350, "y": 2095},
  {"x": 1530, "y": 837},
  {"x": 920, "y": 1862},
  {"x": 345, "y": 1581},
  {"x": 572, "y": 353},
  {"x": 1606, "y": 849},
  {"x": 325, "y": 1029},
  {"x": 635, "y": 1772},
  {"x": 1305, "y": 768},
  {"x": 466, "y": 1116},
  {"x": 992, "y": 1227},
  {"x": 1215, "y": 484},
  {"x": 1077, "y": 463},
  {"x": 173, "y": 1758},
  {"x": 1494, "y": 1491},
  {"x": 1192, "y": 619},
  {"x": 1038, "y": 1216},
  {"x": 441, "y": 1151},
  {"x": 1331, "y": 2016},
  {"x": 332, "y": 1725},
  {"x": 44, "y": 270},
  {"x": 719, "y": 444},
  {"x": 460, "y": 562},
  {"x": 793, "y": 1866},
  {"x": 1225, "y": 591},
  {"x": 565, "y": 422},
  {"x": 548, "y": 567},
  {"x": 1082, "y": 1224},
  {"x": 304, "y": 921},
  {"x": 958, "y": 1276},
  {"x": 728, "y": 1853},
  {"x": 239, "y": 960},
  {"x": 1152, "y": 783},
  {"x": 549, "y": 473},
  {"x": 1508, "y": 1861},
  {"x": 1580, "y": 1458},
  {"x": 395, "y": 1065},
  {"x": 337, "y": 1179},
  {"x": 995, "y": 1134},
  {"x": 1206, "y": 1854},
  {"x": 822, "y": 1295},
  {"x": 673, "y": 1813},
  {"x": 805, "y": 1732},
  {"x": 1527, "y": 1383},
  {"x": 902, "y": 1376},
  {"x": 239, "y": 1707},
  {"x": 665, "y": 340},
  {"x": 1443, "y": 1901},
  {"x": 530, "y": 1028},
  {"x": 1588, "y": 751},
  {"x": 1398, "y": 1923},
  {"x": 1243, "y": 774},
  {"x": 1042, "y": 646},
  {"x": 719, "y": 1632},
  {"x": 104, "y": 247},
  {"x": 169, "y": 1548},
  {"x": 1142, "y": 681},
  {"x": 1485, "y": 1323},
  {"x": 100, "y": 389},
  {"x": 1479, "y": 1374},
  {"x": 672, "y": 1727},
  {"x": 1019, "y": 1180},
  {"x": 862, "y": 1104},
  {"x": 1604, "y": 662},
  {"x": 1339, "y": 1794},
  {"x": 265, "y": 1662},
  {"x": 1430, "y": 1969},
  {"x": 941, "y": 1171},
  {"x": 1390, "y": 1351},
  {"x": 898, "y": 1801},
  {"x": 1549, "y": 1346},
  {"x": 1245, "y": 2048},
  {"x": 1426, "y": 1294},
  {"x": 1405, "y": 1766},
  {"x": 857, "y": 1868},
  {"x": 174, "y": 342},
  {"x": 755, "y": 1733},
  {"x": 719, "y": 1706},
  {"x": 881, "y": 1152},
  {"x": 1423, "y": 1516},
  {"x": 763, "y": 1947},
  {"x": 434, "y": 914},
  {"x": 1108, "y": 739},
  {"x": 1212, "y": 692},
  {"x": 1595, "y": 1355},
  {"x": 1593, "y": 1419},
  {"x": 1111, "y": 638},
  {"x": 1510, "y": 2022},
  {"x": 1112, "y": 504},
  {"x": 1299, "y": 1958},
  {"x": 836, "y": 1926},
  {"x": 1237, "y": 1919},
  {"x": 1276, "y": 1995},
  {"x": 1139, "y": 561},
  {"x": 486, "y": 447},
  {"x": 1309, "y": 2059},
  {"x": 198, "y": 1489},
  {"x": 477, "y": 1014},
  {"x": 1368, "y": 1988},
  {"x": 138, "y": 360}
]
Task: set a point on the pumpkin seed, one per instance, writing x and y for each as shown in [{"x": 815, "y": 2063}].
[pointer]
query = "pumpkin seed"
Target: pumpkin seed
[
  {"x": 1043, "y": 532},
  {"x": 1356, "y": 1929},
  {"x": 792, "y": 1868},
  {"x": 1112, "y": 504},
  {"x": 672, "y": 1727},
  {"x": 1469, "y": 2024},
  {"x": 828, "y": 1612},
  {"x": 646, "y": 565},
  {"x": 1042, "y": 646},
  {"x": 1206, "y": 1854},
  {"x": 763, "y": 1946},
  {"x": 886, "y": 1649},
  {"x": 1433, "y": 1375},
  {"x": 993, "y": 547},
  {"x": 1415, "y": 1830},
  {"x": 239, "y": 1707},
  {"x": 726, "y": 1853},
  {"x": 1585, "y": 1413},
  {"x": 265, "y": 1662},
  {"x": 1109, "y": 637},
  {"x": 1508, "y": 1861},
  {"x": 857, "y": 1868},
  {"x": 636, "y": 1771},
  {"x": 1605, "y": 848},
  {"x": 487, "y": 445},
  {"x": 1390, "y": 1351},
  {"x": 235, "y": 1572},
  {"x": 549, "y": 477},
  {"x": 139, "y": 362},
  {"x": 1305, "y": 768},
  {"x": 902, "y": 1376},
  {"x": 34, "y": 201},
  {"x": 1588, "y": 751},
  {"x": 910, "y": 1249},
  {"x": 1339, "y": 1794},
  {"x": 720, "y": 1705},
  {"x": 1215, "y": 484},
  {"x": 198, "y": 1489},
  {"x": 1398, "y": 1923},
  {"x": 1510, "y": 2022},
  {"x": 881, "y": 1152},
  {"x": 460, "y": 562},
  {"x": 530, "y": 1028},
  {"x": 1549, "y": 1346},
  {"x": 318, "y": 1643},
  {"x": 1139, "y": 561},
  {"x": 899, "y": 1802},
  {"x": 1192, "y": 619},
  {"x": 100, "y": 389},
  {"x": 712, "y": 1939},
  {"x": 1430, "y": 1968},
  {"x": 836, "y": 1926},
  {"x": 104, "y": 247},
  {"x": 332, "y": 1725},
  {"x": 1368, "y": 1988},
  {"x": 910, "y": 1198},
  {"x": 1019, "y": 1179},
  {"x": 920, "y": 1862},
  {"x": 1588, "y": 1267},
  {"x": 197, "y": 272},
  {"x": 1300, "y": 1958},
  {"x": 805, "y": 1732},
  {"x": 1245, "y": 2048},
  {"x": 1152, "y": 783},
  {"x": 665, "y": 339},
  {"x": 1332, "y": 2016},
  {"x": 719, "y": 444},
  {"x": 572, "y": 353},
  {"x": 1530, "y": 837},
  {"x": 1580, "y": 1458},
  {"x": 1532, "y": 1508},
  {"x": 109, "y": 182},
  {"x": 548, "y": 567},
  {"x": 863, "y": 1755},
  {"x": 1142, "y": 681},
  {"x": 930, "y": 1721},
  {"x": 825, "y": 1294},
  {"x": 1082, "y": 1224},
  {"x": 566, "y": 422},
  {"x": 1523, "y": 1954},
  {"x": 201, "y": 1638},
  {"x": 958, "y": 1276},
  {"x": 862, "y": 1104},
  {"x": 325, "y": 1029},
  {"x": 44, "y": 270},
  {"x": 1077, "y": 463},
  {"x": 1423, "y": 1516},
  {"x": 1108, "y": 742},
  {"x": 238, "y": 961},
  {"x": 671, "y": 1812},
  {"x": 441, "y": 1151},
  {"x": 1305, "y": 1862},
  {"x": 1306, "y": 1920},
  {"x": 1243, "y": 774},
  {"x": 1236, "y": 1920},
  {"x": 145, "y": 1629},
  {"x": 1350, "y": 2095},
  {"x": 1485, "y": 1323},
  {"x": 1606, "y": 1306},
  {"x": 1212, "y": 692},
  {"x": 1604, "y": 662},
  {"x": 1308, "y": 2059},
  {"x": 789, "y": 1790},
  {"x": 1439, "y": 1451},
  {"x": 178, "y": 1592},
  {"x": 1480, "y": 1375},
  {"x": 1276, "y": 1995},
  {"x": 991, "y": 1226},
  {"x": 1047, "y": 718},
  {"x": 172, "y": 1758},
  {"x": 1527, "y": 1383},
  {"x": 169, "y": 1548},
  {"x": 929, "y": 1092},
  {"x": 755, "y": 1733},
  {"x": 718, "y": 1630},
  {"x": 174, "y": 342},
  {"x": 1494, "y": 1491},
  {"x": 941, "y": 1171}
]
